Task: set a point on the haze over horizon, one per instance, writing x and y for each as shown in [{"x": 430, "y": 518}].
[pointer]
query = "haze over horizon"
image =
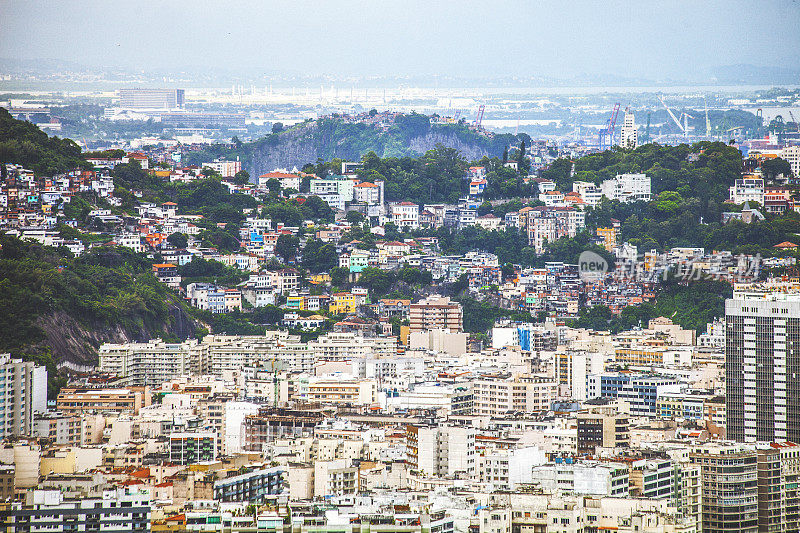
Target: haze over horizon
[{"x": 675, "y": 40}]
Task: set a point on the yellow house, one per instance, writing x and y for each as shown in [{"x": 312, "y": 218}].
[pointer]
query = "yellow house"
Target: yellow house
[
  {"x": 161, "y": 173},
  {"x": 405, "y": 333},
  {"x": 343, "y": 302},
  {"x": 650, "y": 260},
  {"x": 320, "y": 279},
  {"x": 609, "y": 236},
  {"x": 294, "y": 301}
]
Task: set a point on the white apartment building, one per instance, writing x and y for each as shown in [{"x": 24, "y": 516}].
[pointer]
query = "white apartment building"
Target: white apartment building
[
  {"x": 231, "y": 353},
  {"x": 627, "y": 188},
  {"x": 525, "y": 394},
  {"x": 343, "y": 187},
  {"x": 466, "y": 217},
  {"x": 369, "y": 193},
  {"x": 589, "y": 192},
  {"x": 446, "y": 399},
  {"x": 287, "y": 181},
  {"x": 573, "y": 367},
  {"x": 542, "y": 230},
  {"x": 552, "y": 198},
  {"x": 259, "y": 296},
  {"x": 546, "y": 224},
  {"x": 576, "y": 221},
  {"x": 504, "y": 469},
  {"x": 760, "y": 357},
  {"x": 48, "y": 510},
  {"x": 282, "y": 281},
  {"x": 747, "y": 189},
  {"x": 346, "y": 346},
  {"x": 226, "y": 169},
  {"x": 334, "y": 200},
  {"x": 588, "y": 478},
  {"x": 334, "y": 478},
  {"x": 442, "y": 451},
  {"x": 791, "y": 154},
  {"x": 152, "y": 363},
  {"x": 245, "y": 262},
  {"x": 341, "y": 391},
  {"x": 405, "y": 215}
]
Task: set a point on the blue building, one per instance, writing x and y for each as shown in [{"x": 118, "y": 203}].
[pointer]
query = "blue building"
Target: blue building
[{"x": 639, "y": 391}]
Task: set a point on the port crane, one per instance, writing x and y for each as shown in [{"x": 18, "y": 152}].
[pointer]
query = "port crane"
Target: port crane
[
  {"x": 479, "y": 117},
  {"x": 607, "y": 132}
]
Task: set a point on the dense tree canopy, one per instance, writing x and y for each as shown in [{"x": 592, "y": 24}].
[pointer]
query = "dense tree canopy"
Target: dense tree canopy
[
  {"x": 692, "y": 305},
  {"x": 319, "y": 256},
  {"x": 24, "y": 144}
]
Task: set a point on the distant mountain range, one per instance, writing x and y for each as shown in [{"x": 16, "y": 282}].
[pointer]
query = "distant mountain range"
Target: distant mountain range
[
  {"x": 756, "y": 75},
  {"x": 200, "y": 76}
]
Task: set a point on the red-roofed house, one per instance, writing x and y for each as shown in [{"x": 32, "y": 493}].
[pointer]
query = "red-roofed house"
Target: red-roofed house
[
  {"x": 476, "y": 187},
  {"x": 369, "y": 193},
  {"x": 288, "y": 181},
  {"x": 140, "y": 158}
]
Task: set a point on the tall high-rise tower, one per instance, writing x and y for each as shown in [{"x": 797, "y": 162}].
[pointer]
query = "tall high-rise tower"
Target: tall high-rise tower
[
  {"x": 629, "y": 136},
  {"x": 762, "y": 368}
]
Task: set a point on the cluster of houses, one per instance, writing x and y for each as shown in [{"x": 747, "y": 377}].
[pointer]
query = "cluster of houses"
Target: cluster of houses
[
  {"x": 396, "y": 420},
  {"x": 31, "y": 209}
]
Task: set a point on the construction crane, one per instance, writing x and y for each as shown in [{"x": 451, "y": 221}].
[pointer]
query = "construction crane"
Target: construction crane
[
  {"x": 674, "y": 118},
  {"x": 479, "y": 117},
  {"x": 796, "y": 125}
]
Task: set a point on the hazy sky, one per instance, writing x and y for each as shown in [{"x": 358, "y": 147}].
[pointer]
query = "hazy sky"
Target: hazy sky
[{"x": 557, "y": 38}]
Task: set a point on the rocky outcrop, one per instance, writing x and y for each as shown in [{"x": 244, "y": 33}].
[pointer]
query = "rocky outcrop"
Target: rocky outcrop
[
  {"x": 291, "y": 149},
  {"x": 307, "y": 143},
  {"x": 470, "y": 151},
  {"x": 77, "y": 343}
]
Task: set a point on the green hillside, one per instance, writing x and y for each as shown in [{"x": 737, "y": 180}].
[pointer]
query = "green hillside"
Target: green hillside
[
  {"x": 55, "y": 307},
  {"x": 24, "y": 144}
]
